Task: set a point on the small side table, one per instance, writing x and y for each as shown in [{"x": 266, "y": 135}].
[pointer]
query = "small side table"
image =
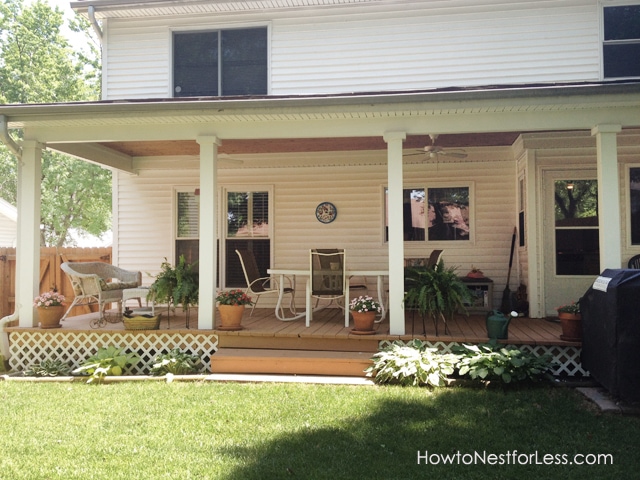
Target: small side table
[
  {"x": 481, "y": 293},
  {"x": 139, "y": 293}
]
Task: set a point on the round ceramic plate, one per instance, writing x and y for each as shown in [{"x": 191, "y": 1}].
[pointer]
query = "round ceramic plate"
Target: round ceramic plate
[{"x": 326, "y": 212}]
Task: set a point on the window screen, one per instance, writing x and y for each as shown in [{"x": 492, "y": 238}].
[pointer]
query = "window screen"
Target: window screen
[
  {"x": 621, "y": 49},
  {"x": 223, "y": 62}
]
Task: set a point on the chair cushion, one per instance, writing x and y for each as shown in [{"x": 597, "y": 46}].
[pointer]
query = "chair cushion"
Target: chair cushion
[{"x": 108, "y": 286}]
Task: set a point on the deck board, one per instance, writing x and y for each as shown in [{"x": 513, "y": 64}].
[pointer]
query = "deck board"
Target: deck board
[{"x": 329, "y": 324}]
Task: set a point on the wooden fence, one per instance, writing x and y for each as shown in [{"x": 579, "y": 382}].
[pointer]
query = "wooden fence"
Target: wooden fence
[{"x": 51, "y": 276}]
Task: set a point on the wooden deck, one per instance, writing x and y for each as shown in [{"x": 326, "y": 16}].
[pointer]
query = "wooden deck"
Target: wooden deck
[
  {"x": 328, "y": 324},
  {"x": 268, "y": 345}
]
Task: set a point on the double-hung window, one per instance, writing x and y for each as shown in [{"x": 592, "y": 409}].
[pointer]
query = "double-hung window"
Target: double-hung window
[
  {"x": 187, "y": 225},
  {"x": 621, "y": 49},
  {"x": 220, "y": 62},
  {"x": 248, "y": 228}
]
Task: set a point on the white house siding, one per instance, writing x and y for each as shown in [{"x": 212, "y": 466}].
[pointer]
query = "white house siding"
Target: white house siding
[
  {"x": 8, "y": 229},
  {"x": 389, "y": 46},
  {"x": 145, "y": 220},
  {"x": 8, "y": 224}
]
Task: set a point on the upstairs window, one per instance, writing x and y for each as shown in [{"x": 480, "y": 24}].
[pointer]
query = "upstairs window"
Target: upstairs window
[
  {"x": 220, "y": 63},
  {"x": 621, "y": 49}
]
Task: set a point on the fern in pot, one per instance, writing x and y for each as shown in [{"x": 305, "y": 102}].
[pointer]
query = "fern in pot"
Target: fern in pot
[{"x": 436, "y": 293}]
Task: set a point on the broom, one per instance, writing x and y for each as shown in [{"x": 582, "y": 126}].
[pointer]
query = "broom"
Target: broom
[{"x": 507, "y": 306}]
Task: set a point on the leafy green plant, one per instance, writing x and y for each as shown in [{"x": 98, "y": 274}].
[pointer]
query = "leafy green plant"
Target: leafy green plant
[
  {"x": 437, "y": 292},
  {"x": 48, "y": 368},
  {"x": 175, "y": 362},
  {"x": 507, "y": 364},
  {"x": 161, "y": 290},
  {"x": 412, "y": 364},
  {"x": 177, "y": 285},
  {"x": 107, "y": 361}
]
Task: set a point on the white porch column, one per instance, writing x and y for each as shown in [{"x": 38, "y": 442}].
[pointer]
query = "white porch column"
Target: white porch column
[
  {"x": 208, "y": 249},
  {"x": 28, "y": 235},
  {"x": 610, "y": 227},
  {"x": 396, "y": 237}
]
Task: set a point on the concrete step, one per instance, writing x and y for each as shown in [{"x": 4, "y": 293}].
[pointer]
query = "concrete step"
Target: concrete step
[{"x": 292, "y": 362}]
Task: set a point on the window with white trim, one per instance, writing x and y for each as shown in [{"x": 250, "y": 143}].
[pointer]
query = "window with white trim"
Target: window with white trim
[
  {"x": 220, "y": 62},
  {"x": 187, "y": 225},
  {"x": 248, "y": 218},
  {"x": 435, "y": 213},
  {"x": 621, "y": 48}
]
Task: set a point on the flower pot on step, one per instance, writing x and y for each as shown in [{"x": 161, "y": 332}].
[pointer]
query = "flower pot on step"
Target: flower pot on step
[
  {"x": 50, "y": 316},
  {"x": 230, "y": 317},
  {"x": 363, "y": 321},
  {"x": 571, "y": 326}
]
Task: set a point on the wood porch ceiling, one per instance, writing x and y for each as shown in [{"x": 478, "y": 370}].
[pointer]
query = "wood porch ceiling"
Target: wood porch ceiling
[{"x": 291, "y": 145}]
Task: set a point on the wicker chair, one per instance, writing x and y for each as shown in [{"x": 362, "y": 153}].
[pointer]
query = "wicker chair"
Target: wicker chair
[{"x": 97, "y": 282}]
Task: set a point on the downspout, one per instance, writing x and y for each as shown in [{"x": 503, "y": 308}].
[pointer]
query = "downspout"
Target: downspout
[
  {"x": 4, "y": 337},
  {"x": 6, "y": 138},
  {"x": 91, "y": 11}
]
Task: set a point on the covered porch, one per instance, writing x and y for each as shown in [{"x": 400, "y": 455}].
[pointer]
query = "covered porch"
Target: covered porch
[
  {"x": 356, "y": 147},
  {"x": 268, "y": 345}
]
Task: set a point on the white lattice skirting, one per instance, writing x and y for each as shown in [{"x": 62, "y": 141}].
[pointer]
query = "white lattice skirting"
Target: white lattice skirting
[
  {"x": 73, "y": 347},
  {"x": 565, "y": 358}
]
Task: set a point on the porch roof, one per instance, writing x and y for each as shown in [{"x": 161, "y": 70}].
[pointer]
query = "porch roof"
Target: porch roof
[{"x": 441, "y": 101}]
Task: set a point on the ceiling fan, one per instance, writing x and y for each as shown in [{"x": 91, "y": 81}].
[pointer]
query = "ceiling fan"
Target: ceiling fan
[{"x": 432, "y": 151}]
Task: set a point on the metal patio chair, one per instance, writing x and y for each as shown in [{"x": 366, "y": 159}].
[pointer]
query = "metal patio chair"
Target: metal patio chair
[{"x": 258, "y": 286}]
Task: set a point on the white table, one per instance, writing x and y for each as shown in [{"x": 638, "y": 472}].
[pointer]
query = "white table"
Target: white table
[{"x": 379, "y": 274}]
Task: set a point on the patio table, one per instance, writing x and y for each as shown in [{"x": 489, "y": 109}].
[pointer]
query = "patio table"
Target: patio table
[{"x": 281, "y": 273}]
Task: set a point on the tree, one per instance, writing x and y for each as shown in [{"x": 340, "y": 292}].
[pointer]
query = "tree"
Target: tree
[{"x": 37, "y": 65}]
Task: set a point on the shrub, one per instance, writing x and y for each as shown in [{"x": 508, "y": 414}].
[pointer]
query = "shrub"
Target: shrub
[
  {"x": 48, "y": 368},
  {"x": 412, "y": 364},
  {"x": 507, "y": 364},
  {"x": 175, "y": 362},
  {"x": 107, "y": 361}
]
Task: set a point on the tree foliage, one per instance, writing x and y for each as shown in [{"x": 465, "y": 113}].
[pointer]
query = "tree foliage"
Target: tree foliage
[{"x": 38, "y": 65}]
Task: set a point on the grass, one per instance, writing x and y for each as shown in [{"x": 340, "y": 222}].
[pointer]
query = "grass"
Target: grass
[{"x": 273, "y": 431}]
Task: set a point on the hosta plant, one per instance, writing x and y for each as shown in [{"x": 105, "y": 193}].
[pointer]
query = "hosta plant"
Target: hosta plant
[
  {"x": 412, "y": 364},
  {"x": 175, "y": 362},
  {"x": 48, "y": 368},
  {"x": 107, "y": 361},
  {"x": 507, "y": 364}
]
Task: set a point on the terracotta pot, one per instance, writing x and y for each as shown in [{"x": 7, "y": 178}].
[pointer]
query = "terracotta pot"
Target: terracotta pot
[
  {"x": 571, "y": 326},
  {"x": 363, "y": 321},
  {"x": 50, "y": 316},
  {"x": 230, "y": 317}
]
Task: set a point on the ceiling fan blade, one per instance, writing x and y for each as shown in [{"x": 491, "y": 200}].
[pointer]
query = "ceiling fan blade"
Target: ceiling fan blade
[
  {"x": 453, "y": 154},
  {"x": 414, "y": 154}
]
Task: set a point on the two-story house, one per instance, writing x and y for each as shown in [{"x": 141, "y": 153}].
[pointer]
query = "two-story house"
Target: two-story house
[{"x": 426, "y": 124}]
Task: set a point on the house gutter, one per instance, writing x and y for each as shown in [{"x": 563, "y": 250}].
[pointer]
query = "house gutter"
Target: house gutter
[
  {"x": 6, "y": 138},
  {"x": 91, "y": 11}
]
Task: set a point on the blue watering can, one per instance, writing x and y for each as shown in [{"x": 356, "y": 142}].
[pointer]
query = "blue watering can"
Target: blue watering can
[{"x": 497, "y": 325}]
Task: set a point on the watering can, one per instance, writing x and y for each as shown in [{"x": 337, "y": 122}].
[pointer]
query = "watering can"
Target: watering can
[{"x": 497, "y": 324}]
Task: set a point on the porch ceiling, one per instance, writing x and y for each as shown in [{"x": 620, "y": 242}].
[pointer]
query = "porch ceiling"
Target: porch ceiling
[{"x": 290, "y": 145}]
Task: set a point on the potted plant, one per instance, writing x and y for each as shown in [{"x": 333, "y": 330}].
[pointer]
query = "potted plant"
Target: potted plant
[
  {"x": 364, "y": 310},
  {"x": 176, "y": 285},
  {"x": 231, "y": 305},
  {"x": 571, "y": 322},
  {"x": 50, "y": 307},
  {"x": 437, "y": 293}
]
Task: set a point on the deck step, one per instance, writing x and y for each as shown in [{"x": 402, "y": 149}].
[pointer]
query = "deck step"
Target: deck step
[{"x": 290, "y": 362}]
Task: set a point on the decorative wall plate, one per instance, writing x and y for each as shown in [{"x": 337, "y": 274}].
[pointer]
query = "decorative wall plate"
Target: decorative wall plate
[{"x": 326, "y": 212}]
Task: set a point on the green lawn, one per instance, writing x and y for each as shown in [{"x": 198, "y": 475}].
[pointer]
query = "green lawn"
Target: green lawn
[{"x": 263, "y": 431}]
